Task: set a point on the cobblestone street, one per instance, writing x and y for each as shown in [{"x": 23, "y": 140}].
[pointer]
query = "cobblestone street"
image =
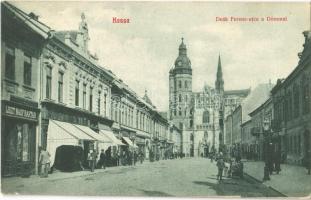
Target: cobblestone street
[{"x": 181, "y": 177}]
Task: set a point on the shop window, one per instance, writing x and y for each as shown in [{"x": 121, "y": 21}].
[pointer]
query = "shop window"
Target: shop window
[
  {"x": 48, "y": 82},
  {"x": 77, "y": 93},
  {"x": 10, "y": 63},
  {"x": 27, "y": 70},
  {"x": 60, "y": 86}
]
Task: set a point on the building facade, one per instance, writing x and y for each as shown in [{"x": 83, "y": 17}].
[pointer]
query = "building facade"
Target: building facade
[
  {"x": 292, "y": 104},
  {"x": 200, "y": 115},
  {"x": 55, "y": 93},
  {"x": 20, "y": 64}
]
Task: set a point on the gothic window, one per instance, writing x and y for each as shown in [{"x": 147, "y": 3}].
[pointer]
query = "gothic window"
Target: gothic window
[{"x": 205, "y": 116}]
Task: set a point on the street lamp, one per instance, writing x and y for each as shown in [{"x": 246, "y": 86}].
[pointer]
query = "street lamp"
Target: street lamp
[
  {"x": 132, "y": 136},
  {"x": 266, "y": 134}
]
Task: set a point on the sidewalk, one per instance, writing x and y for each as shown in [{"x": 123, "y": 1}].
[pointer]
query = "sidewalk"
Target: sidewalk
[
  {"x": 9, "y": 183},
  {"x": 293, "y": 181}
]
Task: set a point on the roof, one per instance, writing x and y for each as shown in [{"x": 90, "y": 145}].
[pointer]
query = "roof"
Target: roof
[
  {"x": 257, "y": 96},
  {"x": 29, "y": 20},
  {"x": 61, "y": 35},
  {"x": 163, "y": 114},
  {"x": 243, "y": 92}
]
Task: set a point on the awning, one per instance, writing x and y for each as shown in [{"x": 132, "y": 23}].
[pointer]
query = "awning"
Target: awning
[
  {"x": 73, "y": 130},
  {"x": 142, "y": 134},
  {"x": 111, "y": 136},
  {"x": 97, "y": 136},
  {"x": 62, "y": 133},
  {"x": 129, "y": 142}
]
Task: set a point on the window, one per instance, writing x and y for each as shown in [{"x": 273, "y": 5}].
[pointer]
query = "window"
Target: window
[
  {"x": 27, "y": 70},
  {"x": 186, "y": 84},
  {"x": 105, "y": 104},
  {"x": 84, "y": 96},
  {"x": 205, "y": 117},
  {"x": 77, "y": 94},
  {"x": 98, "y": 103},
  {"x": 10, "y": 63},
  {"x": 48, "y": 82},
  {"x": 296, "y": 101},
  {"x": 179, "y": 84},
  {"x": 179, "y": 98},
  {"x": 305, "y": 95},
  {"x": 60, "y": 86},
  {"x": 91, "y": 99}
]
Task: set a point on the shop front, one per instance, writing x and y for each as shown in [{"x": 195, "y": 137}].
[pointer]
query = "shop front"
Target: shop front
[{"x": 18, "y": 138}]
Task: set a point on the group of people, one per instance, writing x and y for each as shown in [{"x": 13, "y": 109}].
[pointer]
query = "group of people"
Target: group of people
[{"x": 228, "y": 166}]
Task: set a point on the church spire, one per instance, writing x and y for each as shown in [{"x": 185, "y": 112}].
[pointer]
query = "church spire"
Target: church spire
[{"x": 219, "y": 84}]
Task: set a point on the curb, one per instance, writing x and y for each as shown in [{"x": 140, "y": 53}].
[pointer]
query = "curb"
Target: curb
[{"x": 259, "y": 181}]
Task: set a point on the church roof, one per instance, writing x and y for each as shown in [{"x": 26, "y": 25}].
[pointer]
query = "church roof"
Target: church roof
[
  {"x": 182, "y": 61},
  {"x": 243, "y": 92}
]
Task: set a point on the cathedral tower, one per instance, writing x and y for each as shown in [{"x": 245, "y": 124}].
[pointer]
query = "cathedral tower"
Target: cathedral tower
[
  {"x": 180, "y": 90},
  {"x": 219, "y": 83}
]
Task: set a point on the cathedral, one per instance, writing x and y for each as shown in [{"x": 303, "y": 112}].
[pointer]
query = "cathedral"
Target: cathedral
[{"x": 200, "y": 115}]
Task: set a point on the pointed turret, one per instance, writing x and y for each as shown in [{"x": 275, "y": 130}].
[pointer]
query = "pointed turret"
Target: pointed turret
[{"x": 219, "y": 84}]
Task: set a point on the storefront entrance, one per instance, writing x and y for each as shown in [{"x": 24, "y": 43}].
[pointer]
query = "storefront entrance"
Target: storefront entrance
[{"x": 18, "y": 140}]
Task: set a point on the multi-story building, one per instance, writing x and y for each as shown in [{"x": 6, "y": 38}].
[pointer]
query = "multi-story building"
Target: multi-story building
[
  {"x": 262, "y": 113},
  {"x": 292, "y": 108},
  {"x": 55, "y": 93},
  {"x": 20, "y": 64},
  {"x": 199, "y": 115}
]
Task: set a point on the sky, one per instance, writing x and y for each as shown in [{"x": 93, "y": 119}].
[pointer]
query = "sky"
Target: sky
[{"x": 143, "y": 51}]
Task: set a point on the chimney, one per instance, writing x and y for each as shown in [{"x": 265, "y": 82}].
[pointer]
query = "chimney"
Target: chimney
[
  {"x": 33, "y": 16},
  {"x": 67, "y": 39}
]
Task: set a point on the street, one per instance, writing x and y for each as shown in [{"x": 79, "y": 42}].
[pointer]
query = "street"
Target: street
[{"x": 180, "y": 177}]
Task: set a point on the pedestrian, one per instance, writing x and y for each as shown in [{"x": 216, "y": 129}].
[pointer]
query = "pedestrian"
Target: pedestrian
[
  {"x": 220, "y": 165},
  {"x": 307, "y": 161},
  {"x": 277, "y": 161},
  {"x": 102, "y": 160},
  {"x": 44, "y": 161},
  {"x": 91, "y": 157}
]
